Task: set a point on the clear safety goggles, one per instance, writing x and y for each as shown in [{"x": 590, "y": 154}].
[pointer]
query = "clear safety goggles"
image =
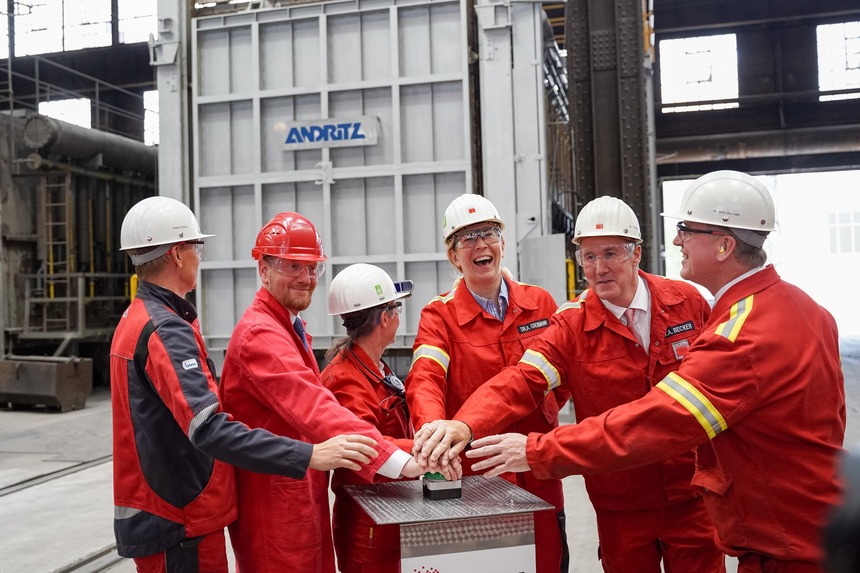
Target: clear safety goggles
[
  {"x": 609, "y": 254},
  {"x": 395, "y": 307},
  {"x": 196, "y": 245},
  {"x": 295, "y": 268},
  {"x": 490, "y": 236},
  {"x": 686, "y": 233}
]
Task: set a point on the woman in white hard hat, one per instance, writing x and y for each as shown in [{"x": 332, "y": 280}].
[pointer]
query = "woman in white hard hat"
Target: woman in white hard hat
[
  {"x": 370, "y": 304},
  {"x": 465, "y": 336}
]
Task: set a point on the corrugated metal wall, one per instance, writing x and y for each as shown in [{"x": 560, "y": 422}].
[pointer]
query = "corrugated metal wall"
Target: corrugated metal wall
[{"x": 259, "y": 72}]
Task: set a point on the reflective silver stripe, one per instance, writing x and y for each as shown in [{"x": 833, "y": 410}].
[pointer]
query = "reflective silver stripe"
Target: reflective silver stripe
[
  {"x": 695, "y": 402},
  {"x": 433, "y": 353},
  {"x": 737, "y": 316},
  {"x": 120, "y": 512},
  {"x": 567, "y": 306},
  {"x": 539, "y": 361},
  {"x": 199, "y": 419}
]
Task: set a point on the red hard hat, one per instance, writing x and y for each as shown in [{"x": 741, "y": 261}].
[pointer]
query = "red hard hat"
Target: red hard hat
[{"x": 289, "y": 236}]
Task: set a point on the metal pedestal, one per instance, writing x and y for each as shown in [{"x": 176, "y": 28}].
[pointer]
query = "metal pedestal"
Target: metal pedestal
[{"x": 490, "y": 528}]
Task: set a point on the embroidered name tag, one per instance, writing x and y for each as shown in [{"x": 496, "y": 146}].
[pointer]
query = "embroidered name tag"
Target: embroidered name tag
[
  {"x": 189, "y": 364},
  {"x": 679, "y": 328},
  {"x": 542, "y": 323}
]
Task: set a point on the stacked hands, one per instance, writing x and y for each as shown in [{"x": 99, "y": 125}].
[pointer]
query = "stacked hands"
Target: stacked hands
[
  {"x": 437, "y": 448},
  {"x": 438, "y": 445}
]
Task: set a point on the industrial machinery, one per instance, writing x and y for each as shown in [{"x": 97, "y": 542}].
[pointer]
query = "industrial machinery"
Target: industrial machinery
[{"x": 64, "y": 283}]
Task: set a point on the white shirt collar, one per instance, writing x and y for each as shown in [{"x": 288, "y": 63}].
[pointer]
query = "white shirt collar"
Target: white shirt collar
[
  {"x": 641, "y": 300},
  {"x": 735, "y": 281}
]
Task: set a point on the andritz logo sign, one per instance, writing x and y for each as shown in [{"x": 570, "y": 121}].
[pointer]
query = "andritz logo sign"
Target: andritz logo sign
[{"x": 335, "y": 132}]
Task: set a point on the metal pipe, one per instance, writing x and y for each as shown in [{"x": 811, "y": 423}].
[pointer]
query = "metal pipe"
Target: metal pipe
[
  {"x": 750, "y": 99},
  {"x": 35, "y": 161},
  {"x": 756, "y": 144},
  {"x": 816, "y": 17},
  {"x": 80, "y": 143}
]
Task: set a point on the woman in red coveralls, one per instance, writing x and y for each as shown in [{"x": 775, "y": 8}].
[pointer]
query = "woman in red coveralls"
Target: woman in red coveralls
[
  {"x": 367, "y": 299},
  {"x": 469, "y": 334}
]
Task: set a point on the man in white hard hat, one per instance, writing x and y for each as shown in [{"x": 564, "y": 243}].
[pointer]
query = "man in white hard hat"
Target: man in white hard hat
[
  {"x": 762, "y": 385},
  {"x": 632, "y": 328},
  {"x": 174, "y": 491},
  {"x": 467, "y": 335}
]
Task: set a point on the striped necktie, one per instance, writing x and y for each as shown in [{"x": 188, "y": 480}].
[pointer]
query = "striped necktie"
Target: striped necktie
[{"x": 630, "y": 315}]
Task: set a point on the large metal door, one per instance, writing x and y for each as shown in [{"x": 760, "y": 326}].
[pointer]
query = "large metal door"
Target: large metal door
[{"x": 266, "y": 85}]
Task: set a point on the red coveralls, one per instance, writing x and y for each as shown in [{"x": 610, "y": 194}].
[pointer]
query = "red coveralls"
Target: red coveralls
[
  {"x": 651, "y": 512},
  {"x": 763, "y": 382},
  {"x": 271, "y": 381},
  {"x": 174, "y": 491},
  {"x": 458, "y": 347},
  {"x": 361, "y": 546}
]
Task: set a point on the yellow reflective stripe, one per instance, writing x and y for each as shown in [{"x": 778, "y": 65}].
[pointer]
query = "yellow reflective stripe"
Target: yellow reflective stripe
[
  {"x": 444, "y": 299},
  {"x": 694, "y": 401},
  {"x": 737, "y": 316},
  {"x": 569, "y": 305},
  {"x": 539, "y": 361},
  {"x": 434, "y": 353}
]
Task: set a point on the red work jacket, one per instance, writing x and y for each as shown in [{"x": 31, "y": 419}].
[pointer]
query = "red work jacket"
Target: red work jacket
[
  {"x": 165, "y": 489},
  {"x": 459, "y": 346},
  {"x": 599, "y": 361},
  {"x": 762, "y": 385},
  {"x": 355, "y": 381},
  {"x": 271, "y": 381},
  {"x": 172, "y": 441}
]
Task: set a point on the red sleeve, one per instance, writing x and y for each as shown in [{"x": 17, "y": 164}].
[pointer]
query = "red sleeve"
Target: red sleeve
[
  {"x": 187, "y": 390},
  {"x": 547, "y": 303},
  {"x": 275, "y": 373},
  {"x": 427, "y": 382},
  {"x": 517, "y": 390},
  {"x": 638, "y": 433}
]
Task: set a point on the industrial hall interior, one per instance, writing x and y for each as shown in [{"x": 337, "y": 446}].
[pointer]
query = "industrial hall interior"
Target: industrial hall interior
[{"x": 346, "y": 286}]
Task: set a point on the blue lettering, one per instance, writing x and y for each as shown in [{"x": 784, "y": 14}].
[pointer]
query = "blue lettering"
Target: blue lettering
[
  {"x": 294, "y": 136},
  {"x": 355, "y": 132},
  {"x": 324, "y": 132}
]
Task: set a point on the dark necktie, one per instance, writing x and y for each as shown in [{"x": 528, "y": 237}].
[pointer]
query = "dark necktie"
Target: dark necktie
[{"x": 300, "y": 330}]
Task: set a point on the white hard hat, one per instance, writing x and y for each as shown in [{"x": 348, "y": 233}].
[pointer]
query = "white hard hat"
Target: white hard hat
[
  {"x": 361, "y": 286},
  {"x": 607, "y": 217},
  {"x": 158, "y": 221},
  {"x": 729, "y": 199},
  {"x": 468, "y": 209}
]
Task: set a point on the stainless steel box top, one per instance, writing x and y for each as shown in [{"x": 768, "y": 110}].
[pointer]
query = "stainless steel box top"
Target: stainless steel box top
[{"x": 403, "y": 502}]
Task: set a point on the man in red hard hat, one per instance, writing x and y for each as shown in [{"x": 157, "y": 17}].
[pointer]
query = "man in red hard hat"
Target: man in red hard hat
[
  {"x": 174, "y": 490},
  {"x": 271, "y": 380}
]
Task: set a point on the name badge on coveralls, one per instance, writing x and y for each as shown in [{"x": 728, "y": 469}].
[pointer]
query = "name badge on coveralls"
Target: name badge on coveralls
[{"x": 680, "y": 347}]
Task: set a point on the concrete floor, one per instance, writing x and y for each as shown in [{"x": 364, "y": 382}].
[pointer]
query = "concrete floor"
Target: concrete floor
[{"x": 63, "y": 522}]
